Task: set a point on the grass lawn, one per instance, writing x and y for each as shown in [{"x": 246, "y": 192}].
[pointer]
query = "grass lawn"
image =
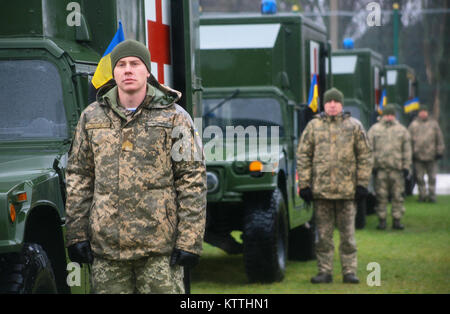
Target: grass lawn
[{"x": 415, "y": 260}]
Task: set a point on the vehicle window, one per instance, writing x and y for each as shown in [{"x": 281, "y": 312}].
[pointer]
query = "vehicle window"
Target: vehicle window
[
  {"x": 31, "y": 101},
  {"x": 244, "y": 112}
]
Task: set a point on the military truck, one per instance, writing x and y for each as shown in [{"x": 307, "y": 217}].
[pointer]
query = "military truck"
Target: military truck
[
  {"x": 257, "y": 71},
  {"x": 401, "y": 85},
  {"x": 358, "y": 73},
  {"x": 49, "y": 50}
]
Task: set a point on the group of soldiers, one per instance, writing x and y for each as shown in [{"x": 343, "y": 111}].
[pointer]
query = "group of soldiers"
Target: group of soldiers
[
  {"x": 335, "y": 160},
  {"x": 138, "y": 215}
]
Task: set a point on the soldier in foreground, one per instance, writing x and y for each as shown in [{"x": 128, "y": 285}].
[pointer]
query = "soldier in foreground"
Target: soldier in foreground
[
  {"x": 334, "y": 166},
  {"x": 136, "y": 195},
  {"x": 391, "y": 148},
  {"x": 428, "y": 147}
]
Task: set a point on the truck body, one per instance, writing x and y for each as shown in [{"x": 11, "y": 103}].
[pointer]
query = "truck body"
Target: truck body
[
  {"x": 401, "y": 85},
  {"x": 257, "y": 71},
  {"x": 357, "y": 73},
  {"x": 49, "y": 50}
]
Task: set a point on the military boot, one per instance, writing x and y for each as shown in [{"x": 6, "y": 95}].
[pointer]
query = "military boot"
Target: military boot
[
  {"x": 322, "y": 278},
  {"x": 382, "y": 224},
  {"x": 350, "y": 278},
  {"x": 398, "y": 225}
]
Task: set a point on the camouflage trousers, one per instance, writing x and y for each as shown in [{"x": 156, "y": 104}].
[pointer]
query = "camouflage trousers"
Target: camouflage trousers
[
  {"x": 390, "y": 183},
  {"x": 342, "y": 213},
  {"x": 430, "y": 169},
  {"x": 151, "y": 274}
]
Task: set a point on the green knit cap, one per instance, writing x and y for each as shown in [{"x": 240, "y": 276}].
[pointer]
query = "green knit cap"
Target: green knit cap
[
  {"x": 389, "y": 109},
  {"x": 424, "y": 107},
  {"x": 130, "y": 48},
  {"x": 333, "y": 94}
]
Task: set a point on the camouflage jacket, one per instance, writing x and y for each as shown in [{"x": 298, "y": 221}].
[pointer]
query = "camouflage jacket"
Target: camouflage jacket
[
  {"x": 136, "y": 185},
  {"x": 391, "y": 145},
  {"x": 333, "y": 157},
  {"x": 427, "y": 139}
]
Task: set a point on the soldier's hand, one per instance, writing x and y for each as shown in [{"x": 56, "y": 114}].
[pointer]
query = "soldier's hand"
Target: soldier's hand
[
  {"x": 374, "y": 172},
  {"x": 361, "y": 192},
  {"x": 183, "y": 258},
  {"x": 405, "y": 173},
  {"x": 306, "y": 194},
  {"x": 81, "y": 252}
]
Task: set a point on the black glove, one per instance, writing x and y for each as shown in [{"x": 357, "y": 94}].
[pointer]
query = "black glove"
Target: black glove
[
  {"x": 374, "y": 172},
  {"x": 183, "y": 258},
  {"x": 361, "y": 192},
  {"x": 438, "y": 156},
  {"x": 306, "y": 194},
  {"x": 81, "y": 252},
  {"x": 405, "y": 173}
]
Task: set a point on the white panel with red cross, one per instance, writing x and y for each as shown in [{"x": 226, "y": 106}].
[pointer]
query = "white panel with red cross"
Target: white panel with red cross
[{"x": 158, "y": 27}]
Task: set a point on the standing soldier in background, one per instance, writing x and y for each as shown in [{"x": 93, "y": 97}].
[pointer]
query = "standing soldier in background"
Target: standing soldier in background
[
  {"x": 136, "y": 194},
  {"x": 391, "y": 148},
  {"x": 428, "y": 147},
  {"x": 334, "y": 166}
]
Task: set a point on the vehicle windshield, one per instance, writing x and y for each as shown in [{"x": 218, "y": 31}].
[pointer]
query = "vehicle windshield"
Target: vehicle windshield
[
  {"x": 244, "y": 112},
  {"x": 31, "y": 101}
]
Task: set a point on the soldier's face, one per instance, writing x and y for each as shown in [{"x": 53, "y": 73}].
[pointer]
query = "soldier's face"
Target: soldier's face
[
  {"x": 423, "y": 114},
  {"x": 389, "y": 117},
  {"x": 131, "y": 74},
  {"x": 333, "y": 108}
]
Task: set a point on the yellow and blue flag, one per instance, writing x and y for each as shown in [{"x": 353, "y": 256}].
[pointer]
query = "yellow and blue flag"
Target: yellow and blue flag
[
  {"x": 411, "y": 105},
  {"x": 313, "y": 94},
  {"x": 103, "y": 73},
  {"x": 383, "y": 102}
]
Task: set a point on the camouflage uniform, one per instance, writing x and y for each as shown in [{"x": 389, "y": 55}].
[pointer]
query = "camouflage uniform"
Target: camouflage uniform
[
  {"x": 391, "y": 147},
  {"x": 134, "y": 190},
  {"x": 333, "y": 157},
  {"x": 428, "y": 143}
]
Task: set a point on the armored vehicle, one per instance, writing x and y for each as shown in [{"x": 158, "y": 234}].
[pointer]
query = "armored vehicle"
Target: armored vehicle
[
  {"x": 49, "y": 50},
  {"x": 257, "y": 71}
]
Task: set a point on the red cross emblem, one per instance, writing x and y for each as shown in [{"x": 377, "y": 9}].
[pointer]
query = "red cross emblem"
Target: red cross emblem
[{"x": 159, "y": 41}]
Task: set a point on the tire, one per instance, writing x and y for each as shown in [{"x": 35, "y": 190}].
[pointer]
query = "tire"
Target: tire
[
  {"x": 361, "y": 209},
  {"x": 266, "y": 238},
  {"x": 28, "y": 272},
  {"x": 302, "y": 242}
]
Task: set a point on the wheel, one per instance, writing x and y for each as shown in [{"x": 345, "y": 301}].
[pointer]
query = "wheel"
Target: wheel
[
  {"x": 266, "y": 238},
  {"x": 361, "y": 209},
  {"x": 302, "y": 242},
  {"x": 29, "y": 271}
]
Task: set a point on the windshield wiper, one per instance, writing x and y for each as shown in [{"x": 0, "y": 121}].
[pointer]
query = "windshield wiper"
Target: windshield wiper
[{"x": 220, "y": 104}]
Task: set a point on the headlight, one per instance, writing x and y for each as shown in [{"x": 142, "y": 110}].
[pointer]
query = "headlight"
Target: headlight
[{"x": 212, "y": 182}]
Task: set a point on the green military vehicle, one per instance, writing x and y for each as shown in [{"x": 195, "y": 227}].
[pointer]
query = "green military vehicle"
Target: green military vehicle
[
  {"x": 401, "y": 86},
  {"x": 256, "y": 72},
  {"x": 358, "y": 73},
  {"x": 49, "y": 50}
]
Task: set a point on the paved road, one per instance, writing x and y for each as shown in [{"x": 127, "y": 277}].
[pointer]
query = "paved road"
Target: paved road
[{"x": 442, "y": 184}]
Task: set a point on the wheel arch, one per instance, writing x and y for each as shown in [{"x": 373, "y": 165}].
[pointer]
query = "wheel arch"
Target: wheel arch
[{"x": 44, "y": 227}]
